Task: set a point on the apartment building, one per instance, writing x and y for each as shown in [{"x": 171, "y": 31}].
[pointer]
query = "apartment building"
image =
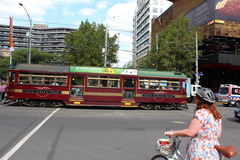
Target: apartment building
[
  {"x": 142, "y": 21},
  {"x": 45, "y": 39}
]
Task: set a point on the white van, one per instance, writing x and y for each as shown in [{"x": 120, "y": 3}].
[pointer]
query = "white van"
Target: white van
[{"x": 229, "y": 95}]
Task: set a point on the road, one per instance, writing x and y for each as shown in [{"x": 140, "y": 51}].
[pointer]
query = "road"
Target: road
[{"x": 29, "y": 133}]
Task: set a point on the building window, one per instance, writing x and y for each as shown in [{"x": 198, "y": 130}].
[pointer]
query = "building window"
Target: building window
[
  {"x": 155, "y": 10},
  {"x": 155, "y": 2}
]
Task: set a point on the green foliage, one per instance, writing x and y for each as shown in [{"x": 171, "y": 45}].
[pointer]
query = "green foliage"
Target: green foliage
[
  {"x": 84, "y": 46},
  {"x": 20, "y": 56},
  {"x": 4, "y": 63},
  {"x": 176, "y": 48}
]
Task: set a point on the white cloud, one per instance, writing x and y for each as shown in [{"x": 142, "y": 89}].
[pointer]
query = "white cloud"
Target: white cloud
[
  {"x": 37, "y": 9},
  {"x": 67, "y": 12},
  {"x": 77, "y": 23},
  {"x": 122, "y": 22},
  {"x": 101, "y": 4},
  {"x": 86, "y": 11},
  {"x": 122, "y": 54}
]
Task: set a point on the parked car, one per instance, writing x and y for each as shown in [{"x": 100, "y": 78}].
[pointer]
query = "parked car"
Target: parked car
[{"x": 237, "y": 113}]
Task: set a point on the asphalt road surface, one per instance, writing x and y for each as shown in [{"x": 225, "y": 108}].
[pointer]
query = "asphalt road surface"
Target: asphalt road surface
[{"x": 32, "y": 133}]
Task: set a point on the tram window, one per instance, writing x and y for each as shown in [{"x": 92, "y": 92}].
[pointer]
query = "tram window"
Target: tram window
[
  {"x": 24, "y": 79},
  {"x": 159, "y": 84},
  {"x": 103, "y": 82},
  {"x": 154, "y": 84},
  {"x": 113, "y": 84},
  {"x": 37, "y": 79},
  {"x": 40, "y": 79},
  {"x": 77, "y": 81},
  {"x": 129, "y": 83},
  {"x": 164, "y": 85},
  {"x": 174, "y": 85},
  {"x": 49, "y": 79},
  {"x": 61, "y": 80},
  {"x": 144, "y": 84},
  {"x": 93, "y": 81}
]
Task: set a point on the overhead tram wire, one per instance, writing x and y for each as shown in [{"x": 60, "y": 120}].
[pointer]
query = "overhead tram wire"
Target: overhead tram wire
[
  {"x": 42, "y": 22},
  {"x": 122, "y": 30}
]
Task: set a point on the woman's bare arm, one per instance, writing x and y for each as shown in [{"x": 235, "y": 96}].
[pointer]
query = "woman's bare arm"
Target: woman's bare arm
[{"x": 191, "y": 131}]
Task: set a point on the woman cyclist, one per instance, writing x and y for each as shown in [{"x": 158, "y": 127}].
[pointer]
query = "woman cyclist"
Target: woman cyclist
[{"x": 204, "y": 129}]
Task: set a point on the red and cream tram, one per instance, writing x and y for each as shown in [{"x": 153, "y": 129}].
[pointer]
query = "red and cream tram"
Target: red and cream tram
[{"x": 56, "y": 86}]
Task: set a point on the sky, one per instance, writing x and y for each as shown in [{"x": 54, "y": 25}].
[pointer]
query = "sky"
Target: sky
[{"x": 116, "y": 14}]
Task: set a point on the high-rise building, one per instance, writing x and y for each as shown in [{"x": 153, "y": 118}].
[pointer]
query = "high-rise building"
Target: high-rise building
[
  {"x": 146, "y": 10},
  {"x": 45, "y": 39}
]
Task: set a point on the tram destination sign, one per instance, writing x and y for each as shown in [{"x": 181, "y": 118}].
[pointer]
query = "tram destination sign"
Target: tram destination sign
[{"x": 83, "y": 69}]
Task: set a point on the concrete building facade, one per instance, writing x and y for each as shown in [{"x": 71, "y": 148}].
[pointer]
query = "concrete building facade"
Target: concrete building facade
[
  {"x": 142, "y": 21},
  {"x": 45, "y": 39}
]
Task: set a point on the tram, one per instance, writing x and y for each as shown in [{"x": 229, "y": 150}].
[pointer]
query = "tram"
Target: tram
[{"x": 58, "y": 86}]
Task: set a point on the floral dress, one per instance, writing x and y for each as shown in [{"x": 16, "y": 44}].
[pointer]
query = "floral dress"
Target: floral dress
[{"x": 201, "y": 146}]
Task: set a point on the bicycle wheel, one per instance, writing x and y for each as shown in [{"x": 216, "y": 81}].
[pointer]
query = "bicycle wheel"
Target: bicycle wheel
[{"x": 159, "y": 157}]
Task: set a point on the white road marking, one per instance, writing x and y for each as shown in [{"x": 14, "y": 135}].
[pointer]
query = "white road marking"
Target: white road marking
[
  {"x": 20, "y": 143},
  {"x": 118, "y": 113},
  {"x": 178, "y": 122}
]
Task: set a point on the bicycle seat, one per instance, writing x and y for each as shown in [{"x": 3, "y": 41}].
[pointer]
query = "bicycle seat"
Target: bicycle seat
[{"x": 227, "y": 151}]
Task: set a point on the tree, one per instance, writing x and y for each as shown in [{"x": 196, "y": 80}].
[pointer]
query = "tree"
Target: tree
[
  {"x": 84, "y": 46},
  {"x": 20, "y": 56},
  {"x": 4, "y": 63},
  {"x": 176, "y": 48}
]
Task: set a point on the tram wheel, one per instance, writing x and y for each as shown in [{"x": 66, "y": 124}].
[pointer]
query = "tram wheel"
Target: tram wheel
[
  {"x": 146, "y": 106},
  {"x": 149, "y": 107},
  {"x": 158, "y": 107}
]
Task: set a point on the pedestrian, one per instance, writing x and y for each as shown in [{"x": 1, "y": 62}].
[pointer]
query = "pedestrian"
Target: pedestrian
[
  {"x": 205, "y": 128},
  {"x": 4, "y": 90},
  {"x": 0, "y": 91}
]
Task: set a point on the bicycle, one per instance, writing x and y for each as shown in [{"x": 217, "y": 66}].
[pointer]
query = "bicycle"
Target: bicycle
[{"x": 168, "y": 149}]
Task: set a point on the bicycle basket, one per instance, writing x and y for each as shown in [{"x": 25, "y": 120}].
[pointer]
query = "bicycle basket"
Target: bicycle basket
[{"x": 164, "y": 146}]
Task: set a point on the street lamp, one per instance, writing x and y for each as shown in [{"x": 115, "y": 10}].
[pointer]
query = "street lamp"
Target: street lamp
[
  {"x": 197, "y": 75},
  {"x": 30, "y": 35}
]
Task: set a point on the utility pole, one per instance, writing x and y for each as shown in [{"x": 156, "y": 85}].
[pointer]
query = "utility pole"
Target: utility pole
[
  {"x": 197, "y": 76},
  {"x": 105, "y": 55}
]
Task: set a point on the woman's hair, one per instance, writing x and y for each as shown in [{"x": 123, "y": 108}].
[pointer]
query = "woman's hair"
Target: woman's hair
[{"x": 209, "y": 106}]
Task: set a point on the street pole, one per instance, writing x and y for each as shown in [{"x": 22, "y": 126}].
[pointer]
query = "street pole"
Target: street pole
[
  {"x": 105, "y": 55},
  {"x": 197, "y": 76},
  {"x": 30, "y": 35},
  {"x": 11, "y": 48}
]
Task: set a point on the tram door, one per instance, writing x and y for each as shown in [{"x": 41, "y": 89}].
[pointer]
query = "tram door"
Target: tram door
[
  {"x": 77, "y": 86},
  {"x": 129, "y": 85}
]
